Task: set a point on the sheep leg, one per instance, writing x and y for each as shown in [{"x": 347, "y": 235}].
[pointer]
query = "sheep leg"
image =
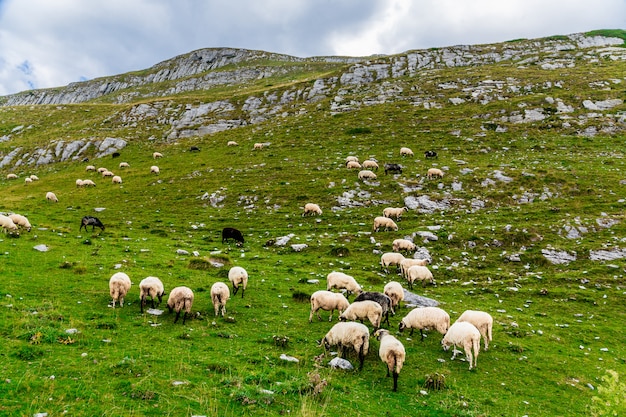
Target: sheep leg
[
  {"x": 395, "y": 381},
  {"x": 421, "y": 333},
  {"x": 242, "y": 291},
  {"x": 184, "y": 317},
  {"x": 177, "y": 316},
  {"x": 142, "y": 303},
  {"x": 235, "y": 289}
]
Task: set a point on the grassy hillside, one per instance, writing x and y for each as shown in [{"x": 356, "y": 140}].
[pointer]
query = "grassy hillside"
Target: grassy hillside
[{"x": 510, "y": 191}]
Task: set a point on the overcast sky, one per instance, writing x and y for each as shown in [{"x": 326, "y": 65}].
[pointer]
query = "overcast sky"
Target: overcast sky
[{"x": 51, "y": 43}]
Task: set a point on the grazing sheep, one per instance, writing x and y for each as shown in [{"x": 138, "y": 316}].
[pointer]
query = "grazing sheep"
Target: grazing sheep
[
  {"x": 403, "y": 245},
  {"x": 343, "y": 281},
  {"x": 394, "y": 290},
  {"x": 482, "y": 321},
  {"x": 11, "y": 177},
  {"x": 361, "y": 310},
  {"x": 88, "y": 183},
  {"x": 21, "y": 221},
  {"x": 425, "y": 318},
  {"x": 393, "y": 168},
  {"x": 384, "y": 222},
  {"x": 90, "y": 221},
  {"x": 124, "y": 165},
  {"x": 153, "y": 287},
  {"x": 409, "y": 262},
  {"x": 180, "y": 298},
  {"x": 101, "y": 170},
  {"x": 418, "y": 273},
  {"x": 328, "y": 301},
  {"x": 232, "y": 233},
  {"x": 352, "y": 158},
  {"x": 390, "y": 258},
  {"x": 90, "y": 168},
  {"x": 353, "y": 165},
  {"x": 404, "y": 151},
  {"x": 258, "y": 146},
  {"x": 434, "y": 173},
  {"x": 382, "y": 299},
  {"x": 50, "y": 196},
  {"x": 157, "y": 155},
  {"x": 369, "y": 164},
  {"x": 219, "y": 295},
  {"x": 239, "y": 278},
  {"x": 232, "y": 143},
  {"x": 311, "y": 209},
  {"x": 154, "y": 169},
  {"x": 7, "y": 224},
  {"x": 79, "y": 183},
  {"x": 119, "y": 284},
  {"x": 430, "y": 154},
  {"x": 108, "y": 173},
  {"x": 395, "y": 212},
  {"x": 366, "y": 174},
  {"x": 347, "y": 335},
  {"x": 464, "y": 334},
  {"x": 27, "y": 180},
  {"x": 116, "y": 179},
  {"x": 34, "y": 177},
  {"x": 391, "y": 352}
]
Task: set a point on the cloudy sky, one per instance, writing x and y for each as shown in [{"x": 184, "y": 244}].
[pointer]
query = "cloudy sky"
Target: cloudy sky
[{"x": 50, "y": 43}]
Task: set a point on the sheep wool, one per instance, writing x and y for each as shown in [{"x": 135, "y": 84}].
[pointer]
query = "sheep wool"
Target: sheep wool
[
  {"x": 180, "y": 299},
  {"x": 406, "y": 263},
  {"x": 21, "y": 221},
  {"x": 348, "y": 335},
  {"x": 311, "y": 209},
  {"x": 419, "y": 273},
  {"x": 50, "y": 196},
  {"x": 403, "y": 245},
  {"x": 384, "y": 222},
  {"x": 395, "y": 212},
  {"x": 327, "y": 301},
  {"x": 154, "y": 169},
  {"x": 219, "y": 295},
  {"x": 464, "y": 334},
  {"x": 238, "y": 278},
  {"x": 7, "y": 224},
  {"x": 116, "y": 179},
  {"x": 353, "y": 165},
  {"x": 391, "y": 351},
  {"x": 482, "y": 321},
  {"x": 157, "y": 155},
  {"x": 361, "y": 310},
  {"x": 150, "y": 287},
  {"x": 434, "y": 173},
  {"x": 425, "y": 318},
  {"x": 369, "y": 164},
  {"x": 119, "y": 285},
  {"x": 394, "y": 290},
  {"x": 404, "y": 151},
  {"x": 366, "y": 174},
  {"x": 390, "y": 258},
  {"x": 342, "y": 281}
]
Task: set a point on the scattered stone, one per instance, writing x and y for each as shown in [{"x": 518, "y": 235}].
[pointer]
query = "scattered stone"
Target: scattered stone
[
  {"x": 154, "y": 311},
  {"x": 299, "y": 247},
  {"x": 413, "y": 300},
  {"x": 71, "y": 331},
  {"x": 42, "y": 248},
  {"x": 182, "y": 252},
  {"x": 339, "y": 363},
  {"x": 558, "y": 257},
  {"x": 288, "y": 358}
]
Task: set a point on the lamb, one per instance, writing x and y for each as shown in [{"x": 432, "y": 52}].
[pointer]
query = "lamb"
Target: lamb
[
  {"x": 370, "y": 164},
  {"x": 232, "y": 233},
  {"x": 311, "y": 209},
  {"x": 180, "y": 298},
  {"x": 399, "y": 245},
  {"x": 7, "y": 224},
  {"x": 394, "y": 290},
  {"x": 124, "y": 165},
  {"x": 465, "y": 334},
  {"x": 393, "y": 168},
  {"x": 482, "y": 321},
  {"x": 219, "y": 295},
  {"x": 434, "y": 173},
  {"x": 409, "y": 262},
  {"x": 384, "y": 222},
  {"x": 154, "y": 169},
  {"x": 382, "y": 299},
  {"x": 391, "y": 258},
  {"x": 361, "y": 310},
  {"x": 21, "y": 221},
  {"x": 353, "y": 165},
  {"x": 346, "y": 335},
  {"x": 239, "y": 278},
  {"x": 116, "y": 179},
  {"x": 366, "y": 174},
  {"x": 50, "y": 196},
  {"x": 328, "y": 301},
  {"x": 157, "y": 155},
  {"x": 418, "y": 273},
  {"x": 232, "y": 143},
  {"x": 395, "y": 212},
  {"x": 258, "y": 146},
  {"x": 425, "y": 318},
  {"x": 119, "y": 285},
  {"x": 11, "y": 176},
  {"x": 340, "y": 281},
  {"x": 90, "y": 168},
  {"x": 404, "y": 151},
  {"x": 153, "y": 287},
  {"x": 391, "y": 352}
]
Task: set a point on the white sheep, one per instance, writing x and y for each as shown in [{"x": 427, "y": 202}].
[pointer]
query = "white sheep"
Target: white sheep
[
  {"x": 425, "y": 318},
  {"x": 50, "y": 196},
  {"x": 370, "y": 164},
  {"x": 7, "y": 224},
  {"x": 366, "y": 174},
  {"x": 395, "y": 212},
  {"x": 403, "y": 245},
  {"x": 219, "y": 295},
  {"x": 384, "y": 222},
  {"x": 434, "y": 173},
  {"x": 353, "y": 165},
  {"x": 152, "y": 287},
  {"x": 88, "y": 183},
  {"x": 11, "y": 176},
  {"x": 394, "y": 290},
  {"x": 21, "y": 221},
  {"x": 464, "y": 334},
  {"x": 391, "y": 351},
  {"x": 346, "y": 335},
  {"x": 101, "y": 170},
  {"x": 157, "y": 155},
  {"x": 343, "y": 281},
  {"x": 361, "y": 310},
  {"x": 404, "y": 151},
  {"x": 34, "y": 177},
  {"x": 406, "y": 263},
  {"x": 154, "y": 169},
  {"x": 239, "y": 278},
  {"x": 482, "y": 321},
  {"x": 352, "y": 158},
  {"x": 124, "y": 165},
  {"x": 418, "y": 273},
  {"x": 257, "y": 146},
  {"x": 311, "y": 209},
  {"x": 116, "y": 179},
  {"x": 79, "y": 183},
  {"x": 180, "y": 298},
  {"x": 27, "y": 180},
  {"x": 90, "y": 168},
  {"x": 328, "y": 301},
  {"x": 391, "y": 258},
  {"x": 232, "y": 143},
  {"x": 108, "y": 173},
  {"x": 119, "y": 285}
]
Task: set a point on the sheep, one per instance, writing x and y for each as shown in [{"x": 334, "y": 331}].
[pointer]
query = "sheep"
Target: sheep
[
  {"x": 353, "y": 165},
  {"x": 366, "y": 174},
  {"x": 115, "y": 155},
  {"x": 232, "y": 143},
  {"x": 340, "y": 281},
  {"x": 7, "y": 224},
  {"x": 418, "y": 273},
  {"x": 391, "y": 351},
  {"x": 27, "y": 180},
  {"x": 154, "y": 169},
  {"x": 390, "y": 258},
  {"x": 90, "y": 221},
  {"x": 101, "y": 170},
  {"x": 382, "y": 299},
  {"x": 88, "y": 183},
  {"x": 393, "y": 168},
  {"x": 90, "y": 168},
  {"x": 11, "y": 177},
  {"x": 153, "y": 287},
  {"x": 404, "y": 151},
  {"x": 21, "y": 221},
  {"x": 394, "y": 290},
  {"x": 328, "y": 301},
  {"x": 425, "y": 318},
  {"x": 239, "y": 278},
  {"x": 232, "y": 233},
  {"x": 361, "y": 310},
  {"x": 219, "y": 295},
  {"x": 465, "y": 334},
  {"x": 482, "y": 321},
  {"x": 352, "y": 158},
  {"x": 119, "y": 285},
  {"x": 369, "y": 164},
  {"x": 34, "y": 177},
  {"x": 394, "y": 212},
  {"x": 50, "y": 196},
  {"x": 385, "y": 223},
  {"x": 409, "y": 262},
  {"x": 180, "y": 298},
  {"x": 124, "y": 165},
  {"x": 346, "y": 335},
  {"x": 405, "y": 245},
  {"x": 434, "y": 173},
  {"x": 157, "y": 155},
  {"x": 108, "y": 173},
  {"x": 258, "y": 146},
  {"x": 116, "y": 179},
  {"x": 430, "y": 154},
  {"x": 311, "y": 209},
  {"x": 79, "y": 183},
  {"x": 194, "y": 149}
]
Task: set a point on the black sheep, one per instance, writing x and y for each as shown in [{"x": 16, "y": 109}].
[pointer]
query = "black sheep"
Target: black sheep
[
  {"x": 380, "y": 298},
  {"x": 430, "y": 154},
  {"x": 393, "y": 168},
  {"x": 90, "y": 221},
  {"x": 232, "y": 233}
]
